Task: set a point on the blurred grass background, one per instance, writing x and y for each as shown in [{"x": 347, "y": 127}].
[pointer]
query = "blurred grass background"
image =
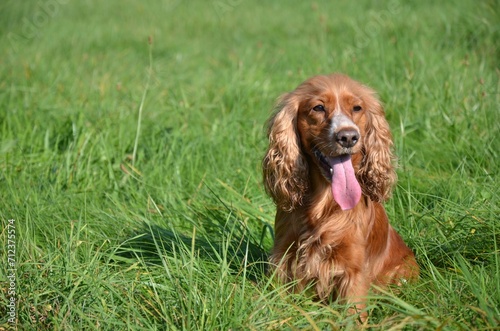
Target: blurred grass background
[{"x": 175, "y": 237}]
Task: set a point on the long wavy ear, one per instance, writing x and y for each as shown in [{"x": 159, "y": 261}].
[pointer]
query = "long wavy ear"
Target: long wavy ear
[
  {"x": 284, "y": 167},
  {"x": 376, "y": 173}
]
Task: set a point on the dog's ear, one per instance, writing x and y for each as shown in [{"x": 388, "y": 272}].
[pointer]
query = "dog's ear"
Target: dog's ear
[
  {"x": 284, "y": 167},
  {"x": 376, "y": 174}
]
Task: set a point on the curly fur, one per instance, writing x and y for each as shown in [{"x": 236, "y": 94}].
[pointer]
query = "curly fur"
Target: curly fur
[
  {"x": 339, "y": 252},
  {"x": 284, "y": 165}
]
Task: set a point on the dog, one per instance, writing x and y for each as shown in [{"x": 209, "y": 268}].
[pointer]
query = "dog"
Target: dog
[{"x": 329, "y": 167}]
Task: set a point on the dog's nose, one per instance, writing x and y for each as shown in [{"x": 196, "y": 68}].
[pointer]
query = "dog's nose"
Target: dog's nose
[{"x": 347, "y": 138}]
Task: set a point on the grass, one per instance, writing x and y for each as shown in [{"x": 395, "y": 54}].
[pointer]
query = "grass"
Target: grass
[{"x": 131, "y": 170}]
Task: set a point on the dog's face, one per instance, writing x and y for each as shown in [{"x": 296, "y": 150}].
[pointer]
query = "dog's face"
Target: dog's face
[{"x": 331, "y": 120}]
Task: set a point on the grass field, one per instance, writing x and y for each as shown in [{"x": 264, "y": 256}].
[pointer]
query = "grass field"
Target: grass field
[{"x": 131, "y": 136}]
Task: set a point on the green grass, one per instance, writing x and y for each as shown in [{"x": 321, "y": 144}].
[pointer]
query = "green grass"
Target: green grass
[{"x": 169, "y": 231}]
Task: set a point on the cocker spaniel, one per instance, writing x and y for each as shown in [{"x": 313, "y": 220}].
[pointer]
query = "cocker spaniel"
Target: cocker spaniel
[{"x": 328, "y": 168}]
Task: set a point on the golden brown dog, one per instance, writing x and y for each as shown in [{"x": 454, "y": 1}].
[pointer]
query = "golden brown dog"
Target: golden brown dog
[{"x": 328, "y": 168}]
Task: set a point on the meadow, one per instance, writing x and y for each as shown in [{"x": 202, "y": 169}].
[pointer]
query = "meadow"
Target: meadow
[{"x": 131, "y": 140}]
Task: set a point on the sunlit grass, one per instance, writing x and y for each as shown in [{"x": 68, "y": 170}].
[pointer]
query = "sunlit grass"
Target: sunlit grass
[{"x": 132, "y": 169}]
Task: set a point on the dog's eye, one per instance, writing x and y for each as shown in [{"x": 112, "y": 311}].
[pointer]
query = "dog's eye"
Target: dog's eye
[
  {"x": 356, "y": 109},
  {"x": 319, "y": 108}
]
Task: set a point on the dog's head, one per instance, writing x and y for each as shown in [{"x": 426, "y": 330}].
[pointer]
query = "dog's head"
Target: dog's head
[{"x": 335, "y": 126}]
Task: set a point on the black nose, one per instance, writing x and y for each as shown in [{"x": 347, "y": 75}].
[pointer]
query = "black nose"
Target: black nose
[{"x": 347, "y": 138}]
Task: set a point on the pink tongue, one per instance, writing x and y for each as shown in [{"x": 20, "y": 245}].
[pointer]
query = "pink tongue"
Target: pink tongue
[{"x": 345, "y": 188}]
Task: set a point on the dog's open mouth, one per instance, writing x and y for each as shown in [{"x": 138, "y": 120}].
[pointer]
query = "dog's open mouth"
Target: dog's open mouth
[{"x": 339, "y": 170}]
